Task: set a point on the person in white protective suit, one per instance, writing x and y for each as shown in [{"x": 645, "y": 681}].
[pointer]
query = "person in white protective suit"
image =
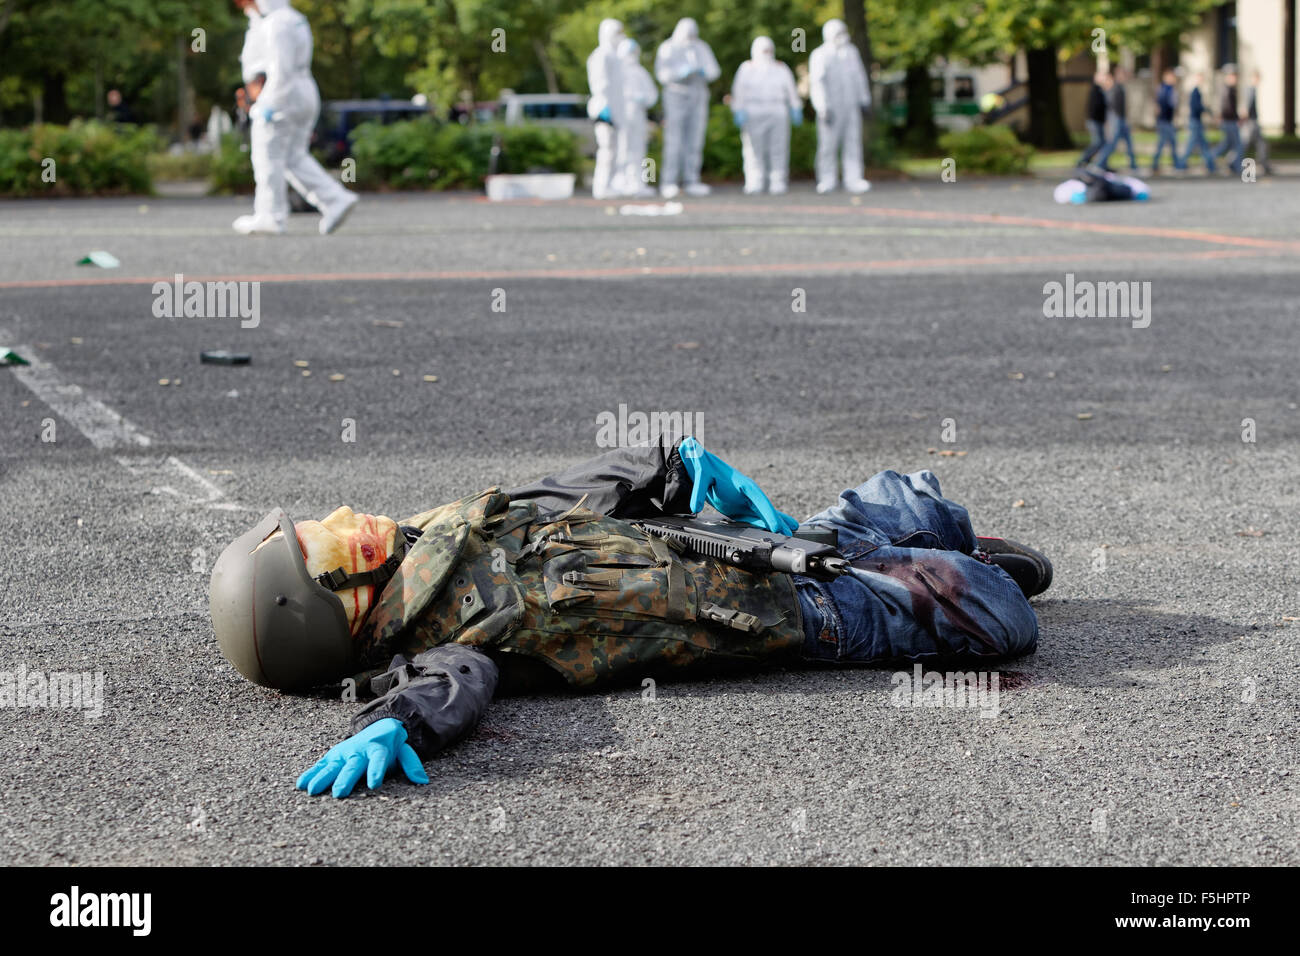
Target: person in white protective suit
[
  {"x": 252, "y": 69},
  {"x": 639, "y": 94},
  {"x": 605, "y": 106},
  {"x": 282, "y": 119},
  {"x": 685, "y": 66},
  {"x": 840, "y": 93},
  {"x": 764, "y": 102}
]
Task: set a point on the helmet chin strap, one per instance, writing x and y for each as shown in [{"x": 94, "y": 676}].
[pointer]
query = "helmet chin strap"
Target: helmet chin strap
[{"x": 340, "y": 580}]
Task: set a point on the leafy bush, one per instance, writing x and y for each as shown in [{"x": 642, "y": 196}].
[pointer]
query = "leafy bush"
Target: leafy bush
[
  {"x": 90, "y": 158},
  {"x": 419, "y": 154},
  {"x": 987, "y": 149},
  {"x": 231, "y": 169},
  {"x": 177, "y": 167}
]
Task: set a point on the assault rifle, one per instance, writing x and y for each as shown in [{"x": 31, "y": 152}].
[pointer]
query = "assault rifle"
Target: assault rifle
[{"x": 810, "y": 551}]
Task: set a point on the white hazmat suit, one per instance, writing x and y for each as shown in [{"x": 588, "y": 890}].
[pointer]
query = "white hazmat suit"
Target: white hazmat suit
[
  {"x": 252, "y": 66},
  {"x": 764, "y": 100},
  {"x": 286, "y": 111},
  {"x": 605, "y": 106},
  {"x": 839, "y": 92},
  {"x": 685, "y": 66},
  {"x": 639, "y": 94}
]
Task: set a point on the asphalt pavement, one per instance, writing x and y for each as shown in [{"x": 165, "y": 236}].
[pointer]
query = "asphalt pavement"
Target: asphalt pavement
[{"x": 814, "y": 341}]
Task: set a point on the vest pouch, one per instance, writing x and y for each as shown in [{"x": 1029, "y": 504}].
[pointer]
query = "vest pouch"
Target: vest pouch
[{"x": 617, "y": 576}]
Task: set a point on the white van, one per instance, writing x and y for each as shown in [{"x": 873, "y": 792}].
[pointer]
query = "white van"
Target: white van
[{"x": 568, "y": 110}]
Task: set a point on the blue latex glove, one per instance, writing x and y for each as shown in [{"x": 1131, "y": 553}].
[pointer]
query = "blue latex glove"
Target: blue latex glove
[
  {"x": 796, "y": 116},
  {"x": 739, "y": 117},
  {"x": 264, "y": 113},
  {"x": 372, "y": 751},
  {"x": 604, "y": 117},
  {"x": 734, "y": 494},
  {"x": 686, "y": 72}
]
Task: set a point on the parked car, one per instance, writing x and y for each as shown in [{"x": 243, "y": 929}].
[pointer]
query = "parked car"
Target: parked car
[
  {"x": 338, "y": 118},
  {"x": 567, "y": 110}
]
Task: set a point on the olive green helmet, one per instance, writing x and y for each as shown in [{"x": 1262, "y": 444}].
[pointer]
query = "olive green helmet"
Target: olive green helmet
[{"x": 276, "y": 623}]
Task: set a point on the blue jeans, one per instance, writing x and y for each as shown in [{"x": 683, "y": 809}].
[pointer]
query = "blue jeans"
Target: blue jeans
[
  {"x": 915, "y": 592},
  {"x": 1165, "y": 133},
  {"x": 1196, "y": 142},
  {"x": 1121, "y": 132},
  {"x": 1231, "y": 140},
  {"x": 1096, "y": 140}
]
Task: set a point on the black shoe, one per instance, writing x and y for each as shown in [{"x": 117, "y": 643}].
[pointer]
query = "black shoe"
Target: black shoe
[{"x": 1030, "y": 569}]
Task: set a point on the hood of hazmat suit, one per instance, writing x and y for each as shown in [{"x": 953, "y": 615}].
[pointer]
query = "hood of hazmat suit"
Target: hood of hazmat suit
[{"x": 604, "y": 73}]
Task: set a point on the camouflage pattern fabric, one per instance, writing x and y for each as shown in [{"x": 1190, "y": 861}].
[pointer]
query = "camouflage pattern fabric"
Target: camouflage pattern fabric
[{"x": 597, "y": 598}]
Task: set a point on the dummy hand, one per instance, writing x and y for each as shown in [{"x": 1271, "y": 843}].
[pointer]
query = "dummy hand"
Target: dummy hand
[
  {"x": 734, "y": 494},
  {"x": 739, "y": 117},
  {"x": 372, "y": 751},
  {"x": 796, "y": 116},
  {"x": 604, "y": 117}
]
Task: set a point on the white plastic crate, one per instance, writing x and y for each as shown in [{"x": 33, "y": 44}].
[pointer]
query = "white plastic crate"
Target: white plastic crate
[{"x": 531, "y": 186}]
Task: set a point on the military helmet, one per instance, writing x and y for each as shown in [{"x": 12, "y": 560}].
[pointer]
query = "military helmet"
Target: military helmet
[{"x": 276, "y": 623}]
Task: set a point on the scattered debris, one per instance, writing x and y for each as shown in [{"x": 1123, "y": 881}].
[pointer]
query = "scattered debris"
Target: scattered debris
[
  {"x": 1252, "y": 532},
  {"x": 388, "y": 323},
  {"x": 651, "y": 209},
  {"x": 1016, "y": 376},
  {"x": 105, "y": 260},
  {"x": 1166, "y": 368},
  {"x": 300, "y": 363},
  {"x": 337, "y": 377},
  {"x": 76, "y": 340},
  {"x": 10, "y": 357},
  {"x": 686, "y": 345},
  {"x": 397, "y": 371},
  {"x": 1018, "y": 503},
  {"x": 1084, "y": 416},
  {"x": 431, "y": 378},
  {"x": 306, "y": 373}
]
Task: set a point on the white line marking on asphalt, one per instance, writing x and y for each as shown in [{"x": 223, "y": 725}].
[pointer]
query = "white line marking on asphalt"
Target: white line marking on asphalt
[
  {"x": 104, "y": 428},
  {"x": 108, "y": 431}
]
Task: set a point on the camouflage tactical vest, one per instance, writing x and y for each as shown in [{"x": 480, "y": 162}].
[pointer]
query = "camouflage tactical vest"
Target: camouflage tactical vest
[{"x": 595, "y": 597}]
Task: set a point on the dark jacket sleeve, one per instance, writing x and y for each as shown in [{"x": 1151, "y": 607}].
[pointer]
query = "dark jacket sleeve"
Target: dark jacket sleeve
[
  {"x": 636, "y": 482},
  {"x": 439, "y": 697}
]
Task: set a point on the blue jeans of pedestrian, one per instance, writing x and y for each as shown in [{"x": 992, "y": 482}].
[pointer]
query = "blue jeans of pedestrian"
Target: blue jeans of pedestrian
[
  {"x": 916, "y": 592},
  {"x": 1120, "y": 132},
  {"x": 1166, "y": 134},
  {"x": 1096, "y": 140},
  {"x": 1196, "y": 141},
  {"x": 1231, "y": 141}
]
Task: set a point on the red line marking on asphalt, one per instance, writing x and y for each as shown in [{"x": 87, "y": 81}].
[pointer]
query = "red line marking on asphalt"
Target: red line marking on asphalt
[
  {"x": 868, "y": 265},
  {"x": 1066, "y": 225}
]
